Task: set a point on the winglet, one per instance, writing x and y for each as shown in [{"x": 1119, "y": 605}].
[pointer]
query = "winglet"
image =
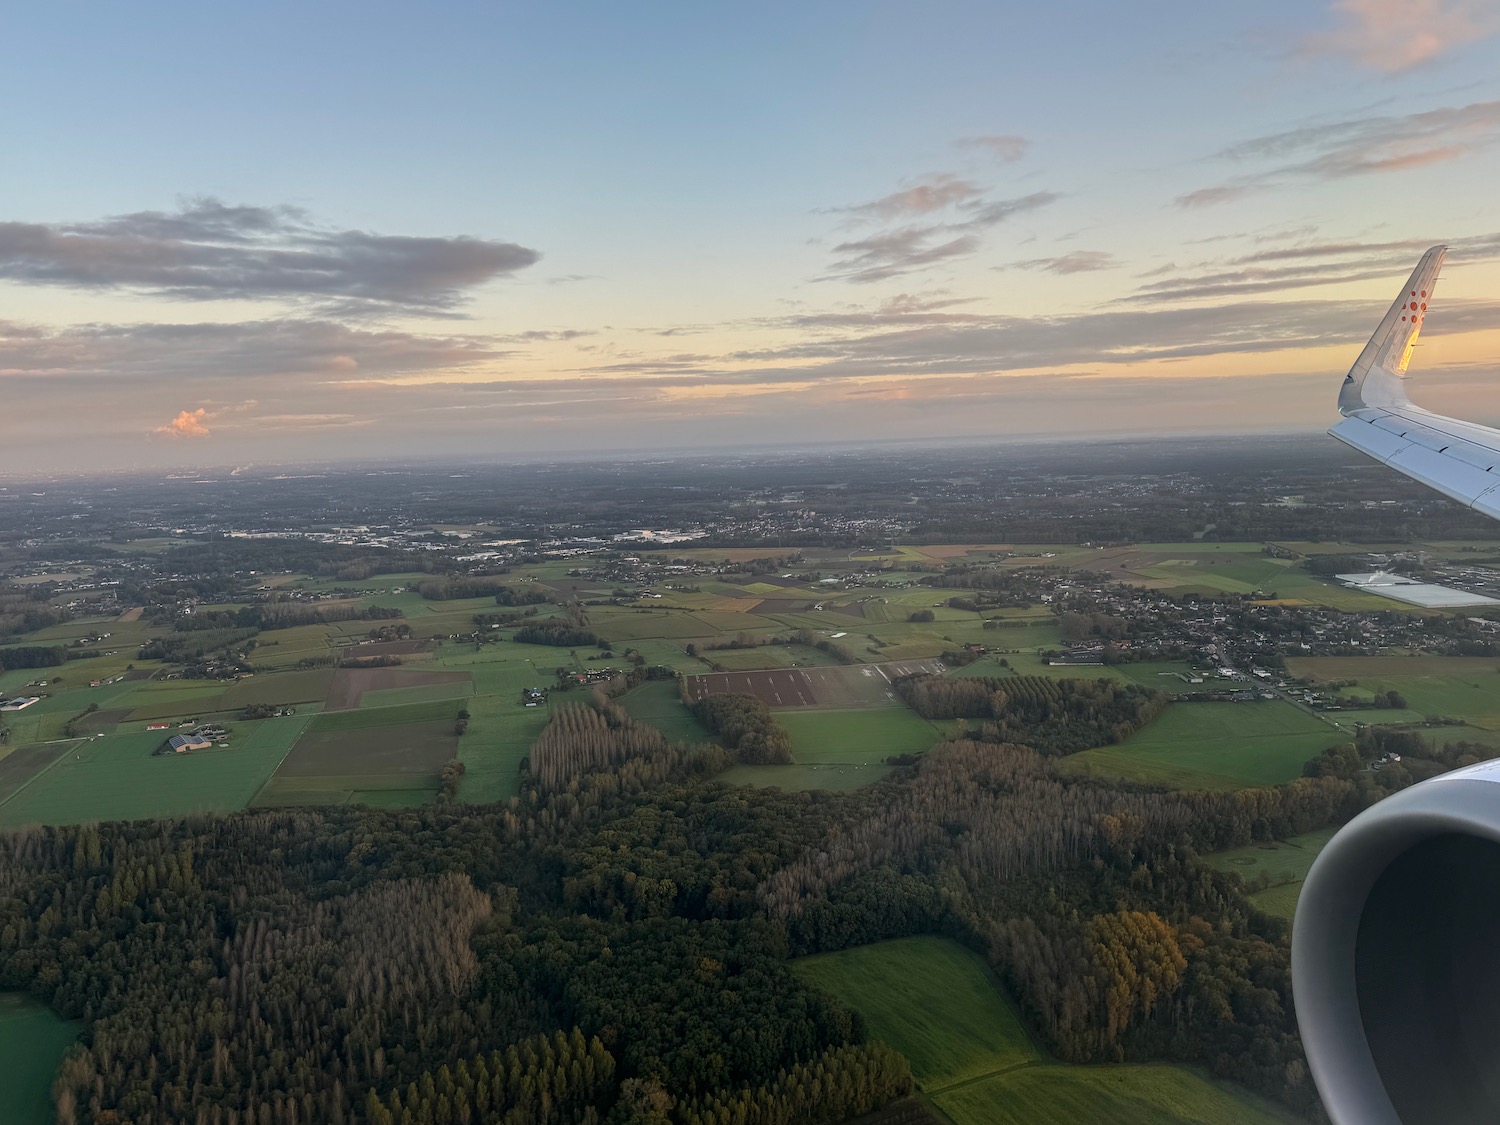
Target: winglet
[{"x": 1375, "y": 378}]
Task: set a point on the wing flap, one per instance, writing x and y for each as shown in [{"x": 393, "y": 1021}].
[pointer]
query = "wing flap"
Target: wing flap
[{"x": 1455, "y": 466}]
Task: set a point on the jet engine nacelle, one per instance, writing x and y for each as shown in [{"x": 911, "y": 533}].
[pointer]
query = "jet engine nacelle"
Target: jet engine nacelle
[{"x": 1396, "y": 958}]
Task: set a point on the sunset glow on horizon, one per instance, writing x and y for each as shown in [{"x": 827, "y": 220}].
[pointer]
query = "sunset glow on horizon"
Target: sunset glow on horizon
[{"x": 503, "y": 230}]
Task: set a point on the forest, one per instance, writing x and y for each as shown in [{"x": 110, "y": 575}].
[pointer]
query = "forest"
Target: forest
[
  {"x": 613, "y": 945},
  {"x": 1053, "y": 716},
  {"x": 745, "y": 725}
]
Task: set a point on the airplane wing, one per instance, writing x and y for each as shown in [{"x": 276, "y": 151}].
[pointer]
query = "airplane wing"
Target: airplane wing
[{"x": 1457, "y": 458}]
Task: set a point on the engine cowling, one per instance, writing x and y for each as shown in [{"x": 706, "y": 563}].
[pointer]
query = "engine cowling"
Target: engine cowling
[{"x": 1396, "y": 958}]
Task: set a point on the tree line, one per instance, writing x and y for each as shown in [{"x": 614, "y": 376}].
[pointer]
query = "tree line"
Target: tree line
[
  {"x": 746, "y": 726},
  {"x": 1054, "y": 716}
]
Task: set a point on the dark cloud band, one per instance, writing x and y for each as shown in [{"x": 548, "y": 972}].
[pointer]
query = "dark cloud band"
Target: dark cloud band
[{"x": 209, "y": 250}]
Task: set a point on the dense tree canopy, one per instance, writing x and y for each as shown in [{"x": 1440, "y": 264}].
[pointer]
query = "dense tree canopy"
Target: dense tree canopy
[{"x": 613, "y": 945}]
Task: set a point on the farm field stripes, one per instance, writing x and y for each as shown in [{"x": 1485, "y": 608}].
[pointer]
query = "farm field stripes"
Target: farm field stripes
[
  {"x": 858, "y": 685},
  {"x": 370, "y": 718},
  {"x": 350, "y": 684},
  {"x": 346, "y": 759},
  {"x": 456, "y": 689},
  {"x": 25, "y": 763}
]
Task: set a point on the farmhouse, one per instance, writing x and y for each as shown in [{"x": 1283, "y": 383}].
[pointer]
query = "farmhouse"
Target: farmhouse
[
  {"x": 184, "y": 744},
  {"x": 20, "y": 703}
]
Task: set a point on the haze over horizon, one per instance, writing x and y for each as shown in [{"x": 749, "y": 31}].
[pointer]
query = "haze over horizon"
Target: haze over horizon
[{"x": 281, "y": 233}]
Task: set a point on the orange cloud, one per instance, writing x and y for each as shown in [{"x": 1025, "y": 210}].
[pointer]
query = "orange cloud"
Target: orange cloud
[
  {"x": 188, "y": 423},
  {"x": 1395, "y": 35}
]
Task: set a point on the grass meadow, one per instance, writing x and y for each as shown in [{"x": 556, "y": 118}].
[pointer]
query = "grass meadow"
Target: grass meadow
[
  {"x": 939, "y": 1005},
  {"x": 32, "y": 1041},
  {"x": 1151, "y": 1094},
  {"x": 849, "y": 737},
  {"x": 1215, "y": 746},
  {"x": 119, "y": 776},
  {"x": 1465, "y": 687},
  {"x": 933, "y": 1000},
  {"x": 660, "y": 704},
  {"x": 1283, "y": 863}
]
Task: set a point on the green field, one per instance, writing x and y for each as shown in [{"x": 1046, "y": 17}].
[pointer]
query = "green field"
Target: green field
[
  {"x": 459, "y": 690},
  {"x": 1158, "y": 1094},
  {"x": 501, "y": 729},
  {"x": 1215, "y": 746},
  {"x": 369, "y": 718},
  {"x": 1465, "y": 687},
  {"x": 287, "y": 687},
  {"x": 1280, "y": 901},
  {"x": 769, "y": 656},
  {"x": 861, "y": 738},
  {"x": 170, "y": 699},
  {"x": 938, "y": 1004},
  {"x": 32, "y": 1041},
  {"x": 659, "y": 703},
  {"x": 933, "y": 1000},
  {"x": 500, "y": 734},
  {"x": 119, "y": 777},
  {"x": 1283, "y": 864}
]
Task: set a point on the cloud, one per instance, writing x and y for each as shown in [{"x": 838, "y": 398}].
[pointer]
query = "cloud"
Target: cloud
[
  {"x": 989, "y": 214},
  {"x": 910, "y": 248},
  {"x": 1078, "y": 261},
  {"x": 1300, "y": 267},
  {"x": 188, "y": 423},
  {"x": 208, "y": 250},
  {"x": 1358, "y": 147},
  {"x": 937, "y": 192},
  {"x": 1396, "y": 35},
  {"x": 1212, "y": 196},
  {"x": 157, "y": 353},
  {"x": 898, "y": 252},
  {"x": 982, "y": 344},
  {"x": 1003, "y": 146}
]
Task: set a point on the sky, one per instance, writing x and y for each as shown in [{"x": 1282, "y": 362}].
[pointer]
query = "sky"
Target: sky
[{"x": 241, "y": 234}]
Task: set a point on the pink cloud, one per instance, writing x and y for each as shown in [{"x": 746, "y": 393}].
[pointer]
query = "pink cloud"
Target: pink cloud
[{"x": 1396, "y": 35}]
